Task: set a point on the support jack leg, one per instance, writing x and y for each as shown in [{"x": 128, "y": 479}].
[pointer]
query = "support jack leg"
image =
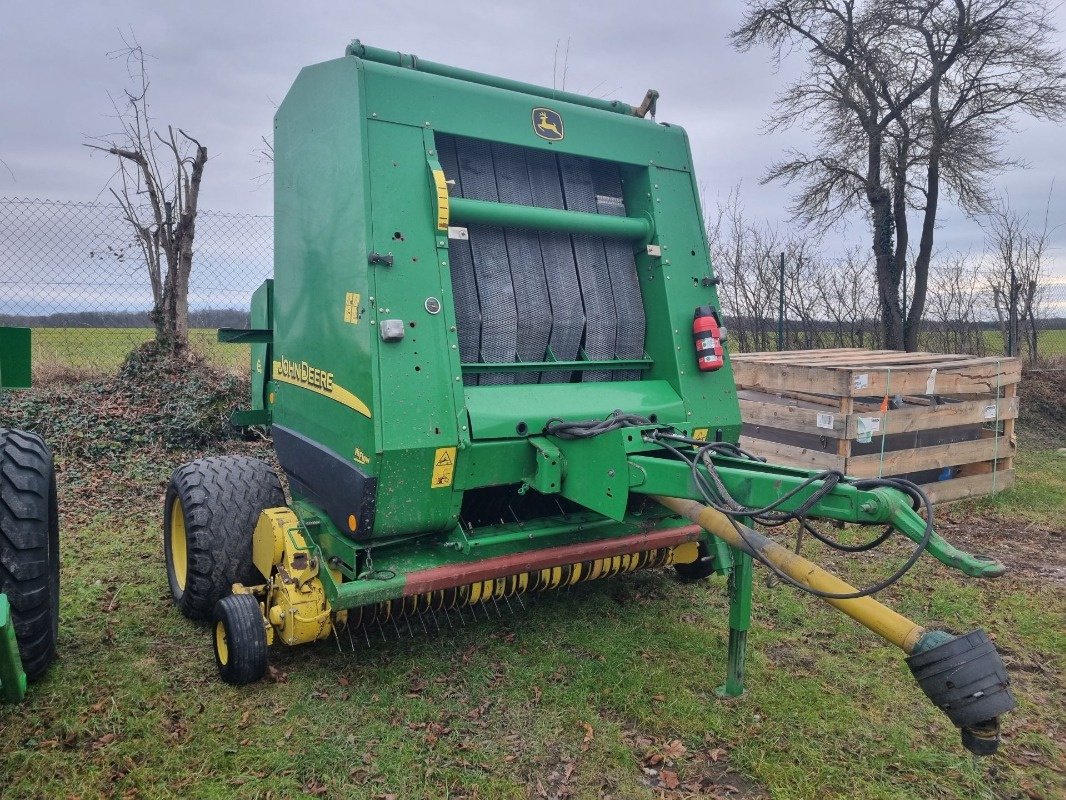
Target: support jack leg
[{"x": 739, "y": 622}]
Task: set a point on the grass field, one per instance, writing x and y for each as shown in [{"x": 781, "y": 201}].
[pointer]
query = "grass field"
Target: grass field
[
  {"x": 604, "y": 691},
  {"x": 1052, "y": 344},
  {"x": 102, "y": 350},
  {"x": 96, "y": 350}
]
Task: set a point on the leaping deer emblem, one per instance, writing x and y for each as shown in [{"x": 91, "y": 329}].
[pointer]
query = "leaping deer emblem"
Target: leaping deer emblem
[{"x": 545, "y": 126}]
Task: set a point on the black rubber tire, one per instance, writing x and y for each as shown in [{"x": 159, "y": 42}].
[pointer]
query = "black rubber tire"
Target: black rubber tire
[
  {"x": 221, "y": 500},
  {"x": 239, "y": 618},
  {"x": 29, "y": 546},
  {"x": 697, "y": 570}
]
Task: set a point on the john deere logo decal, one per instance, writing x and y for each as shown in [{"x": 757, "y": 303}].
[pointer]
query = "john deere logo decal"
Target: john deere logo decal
[{"x": 547, "y": 124}]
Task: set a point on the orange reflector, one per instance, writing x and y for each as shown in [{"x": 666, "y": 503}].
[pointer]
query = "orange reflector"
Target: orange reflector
[{"x": 353, "y": 523}]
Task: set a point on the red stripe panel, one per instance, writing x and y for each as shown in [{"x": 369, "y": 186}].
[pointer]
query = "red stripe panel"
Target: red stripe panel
[{"x": 431, "y": 580}]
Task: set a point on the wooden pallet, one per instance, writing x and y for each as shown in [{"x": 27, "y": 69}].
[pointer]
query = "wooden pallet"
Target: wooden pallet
[{"x": 946, "y": 420}]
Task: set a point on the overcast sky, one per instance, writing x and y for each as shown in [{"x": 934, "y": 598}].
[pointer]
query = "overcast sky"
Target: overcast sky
[{"x": 219, "y": 69}]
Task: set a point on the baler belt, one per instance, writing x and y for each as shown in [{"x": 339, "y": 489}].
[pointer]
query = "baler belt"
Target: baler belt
[
  {"x": 564, "y": 292},
  {"x": 518, "y": 292},
  {"x": 591, "y": 267},
  {"x": 499, "y": 316},
  {"x": 527, "y": 263},
  {"x": 622, "y": 268},
  {"x": 464, "y": 284}
]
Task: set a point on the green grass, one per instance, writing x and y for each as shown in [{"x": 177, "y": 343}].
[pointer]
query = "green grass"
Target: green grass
[
  {"x": 1051, "y": 343},
  {"x": 102, "y": 350},
  {"x": 1039, "y": 498},
  {"x": 565, "y": 699}
]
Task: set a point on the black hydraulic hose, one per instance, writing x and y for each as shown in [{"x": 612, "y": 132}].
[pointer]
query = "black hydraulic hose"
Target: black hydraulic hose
[
  {"x": 715, "y": 494},
  {"x": 779, "y": 518},
  {"x": 587, "y": 428}
]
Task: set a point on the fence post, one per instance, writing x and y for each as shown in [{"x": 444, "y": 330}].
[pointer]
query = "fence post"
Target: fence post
[
  {"x": 1012, "y": 313},
  {"x": 781, "y": 305}
]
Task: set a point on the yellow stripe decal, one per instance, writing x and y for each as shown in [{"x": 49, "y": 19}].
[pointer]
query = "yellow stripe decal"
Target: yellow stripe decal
[
  {"x": 336, "y": 392},
  {"x": 443, "y": 210}
]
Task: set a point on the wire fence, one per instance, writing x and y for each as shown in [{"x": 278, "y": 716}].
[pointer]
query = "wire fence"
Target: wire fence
[
  {"x": 73, "y": 272},
  {"x": 802, "y": 301}
]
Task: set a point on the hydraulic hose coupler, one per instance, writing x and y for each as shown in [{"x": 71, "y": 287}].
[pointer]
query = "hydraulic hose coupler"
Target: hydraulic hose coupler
[{"x": 966, "y": 679}]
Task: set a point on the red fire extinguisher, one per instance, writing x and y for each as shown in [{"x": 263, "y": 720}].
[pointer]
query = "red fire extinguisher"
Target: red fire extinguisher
[{"x": 707, "y": 334}]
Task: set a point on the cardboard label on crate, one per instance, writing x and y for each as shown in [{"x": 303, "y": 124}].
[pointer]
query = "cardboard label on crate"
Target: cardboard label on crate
[
  {"x": 862, "y": 380},
  {"x": 930, "y": 385},
  {"x": 825, "y": 421},
  {"x": 865, "y": 429},
  {"x": 443, "y": 468},
  {"x": 990, "y": 411}
]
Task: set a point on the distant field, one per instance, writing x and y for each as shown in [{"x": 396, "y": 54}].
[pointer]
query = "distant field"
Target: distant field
[
  {"x": 1050, "y": 343},
  {"x": 104, "y": 349}
]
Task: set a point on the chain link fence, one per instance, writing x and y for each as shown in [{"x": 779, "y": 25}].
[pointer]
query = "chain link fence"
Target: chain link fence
[
  {"x": 73, "y": 272},
  {"x": 802, "y": 301}
]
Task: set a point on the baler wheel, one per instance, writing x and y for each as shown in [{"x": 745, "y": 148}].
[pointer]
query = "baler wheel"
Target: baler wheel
[
  {"x": 29, "y": 546},
  {"x": 702, "y": 567},
  {"x": 210, "y": 512},
  {"x": 239, "y": 639}
]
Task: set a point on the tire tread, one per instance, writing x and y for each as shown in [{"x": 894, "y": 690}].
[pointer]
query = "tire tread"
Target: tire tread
[
  {"x": 222, "y": 498},
  {"x": 29, "y": 546}
]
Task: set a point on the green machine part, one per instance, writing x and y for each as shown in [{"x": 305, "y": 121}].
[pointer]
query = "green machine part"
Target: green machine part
[
  {"x": 362, "y": 240},
  {"x": 15, "y": 358},
  {"x": 15, "y": 372},
  {"x": 419, "y": 429},
  {"x": 12, "y": 678}
]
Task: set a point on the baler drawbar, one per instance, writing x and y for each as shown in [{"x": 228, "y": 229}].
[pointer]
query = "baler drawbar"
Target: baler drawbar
[{"x": 492, "y": 362}]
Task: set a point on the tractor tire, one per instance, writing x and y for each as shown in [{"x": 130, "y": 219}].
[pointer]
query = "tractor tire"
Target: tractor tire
[
  {"x": 239, "y": 639},
  {"x": 29, "y": 546},
  {"x": 699, "y": 569},
  {"x": 209, "y": 514}
]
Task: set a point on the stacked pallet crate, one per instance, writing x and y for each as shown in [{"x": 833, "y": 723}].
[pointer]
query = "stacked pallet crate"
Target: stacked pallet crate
[{"x": 944, "y": 421}]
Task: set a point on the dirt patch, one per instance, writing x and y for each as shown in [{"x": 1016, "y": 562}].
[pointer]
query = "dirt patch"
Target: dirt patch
[
  {"x": 1025, "y": 548},
  {"x": 674, "y": 770}
]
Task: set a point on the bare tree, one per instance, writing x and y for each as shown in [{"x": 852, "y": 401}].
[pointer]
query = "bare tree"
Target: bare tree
[
  {"x": 907, "y": 98},
  {"x": 825, "y": 301},
  {"x": 745, "y": 257},
  {"x": 158, "y": 179},
  {"x": 1016, "y": 276},
  {"x": 952, "y": 323},
  {"x": 850, "y": 301}
]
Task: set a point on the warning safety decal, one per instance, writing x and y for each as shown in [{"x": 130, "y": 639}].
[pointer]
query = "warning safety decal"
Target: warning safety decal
[{"x": 443, "y": 468}]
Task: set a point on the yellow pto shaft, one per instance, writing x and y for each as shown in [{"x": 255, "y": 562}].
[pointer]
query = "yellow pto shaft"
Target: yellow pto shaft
[{"x": 880, "y": 619}]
